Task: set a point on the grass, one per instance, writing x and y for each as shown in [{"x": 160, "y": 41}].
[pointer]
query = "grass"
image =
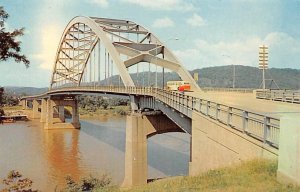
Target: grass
[{"x": 255, "y": 175}]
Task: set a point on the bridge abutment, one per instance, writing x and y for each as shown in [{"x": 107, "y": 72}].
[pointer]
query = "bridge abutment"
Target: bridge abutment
[
  {"x": 215, "y": 145},
  {"x": 289, "y": 150}
]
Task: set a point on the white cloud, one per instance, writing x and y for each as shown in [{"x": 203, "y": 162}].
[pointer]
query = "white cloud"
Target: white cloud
[
  {"x": 179, "y": 5},
  {"x": 102, "y": 3},
  {"x": 196, "y": 20},
  {"x": 284, "y": 52},
  {"x": 163, "y": 22},
  {"x": 50, "y": 37}
]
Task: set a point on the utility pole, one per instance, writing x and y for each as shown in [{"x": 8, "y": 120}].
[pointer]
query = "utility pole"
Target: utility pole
[{"x": 263, "y": 62}]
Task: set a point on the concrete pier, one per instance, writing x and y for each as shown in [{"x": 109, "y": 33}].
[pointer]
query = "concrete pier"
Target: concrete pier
[
  {"x": 59, "y": 123},
  {"x": 139, "y": 127}
]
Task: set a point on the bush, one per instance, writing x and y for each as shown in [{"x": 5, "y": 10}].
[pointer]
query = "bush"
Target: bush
[
  {"x": 87, "y": 184},
  {"x": 15, "y": 182}
]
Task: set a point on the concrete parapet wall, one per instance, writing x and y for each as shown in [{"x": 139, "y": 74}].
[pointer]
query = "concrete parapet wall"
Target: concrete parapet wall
[
  {"x": 289, "y": 150},
  {"x": 216, "y": 145}
]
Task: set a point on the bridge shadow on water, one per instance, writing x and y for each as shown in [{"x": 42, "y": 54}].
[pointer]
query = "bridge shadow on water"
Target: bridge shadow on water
[{"x": 167, "y": 153}]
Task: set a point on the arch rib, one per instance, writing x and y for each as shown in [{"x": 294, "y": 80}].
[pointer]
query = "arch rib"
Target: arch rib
[{"x": 146, "y": 49}]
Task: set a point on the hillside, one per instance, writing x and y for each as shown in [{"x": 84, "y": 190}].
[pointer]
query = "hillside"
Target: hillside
[
  {"x": 246, "y": 77},
  {"x": 21, "y": 91}
]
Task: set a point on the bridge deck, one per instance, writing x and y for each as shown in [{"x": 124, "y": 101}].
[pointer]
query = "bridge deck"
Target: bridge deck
[{"x": 247, "y": 101}]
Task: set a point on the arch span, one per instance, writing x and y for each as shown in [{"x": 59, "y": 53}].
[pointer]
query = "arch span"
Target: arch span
[{"x": 125, "y": 44}]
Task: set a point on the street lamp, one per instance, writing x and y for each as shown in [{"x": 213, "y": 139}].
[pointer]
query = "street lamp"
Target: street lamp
[{"x": 233, "y": 66}]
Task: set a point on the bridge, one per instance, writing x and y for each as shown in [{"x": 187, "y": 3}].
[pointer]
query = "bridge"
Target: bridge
[{"x": 95, "y": 56}]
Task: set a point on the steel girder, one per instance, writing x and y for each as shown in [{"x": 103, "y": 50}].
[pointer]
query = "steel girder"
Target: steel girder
[{"x": 83, "y": 33}]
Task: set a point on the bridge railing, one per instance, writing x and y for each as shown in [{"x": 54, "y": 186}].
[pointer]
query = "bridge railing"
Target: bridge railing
[
  {"x": 219, "y": 89},
  {"x": 256, "y": 125},
  {"x": 292, "y": 96},
  {"x": 259, "y": 126}
]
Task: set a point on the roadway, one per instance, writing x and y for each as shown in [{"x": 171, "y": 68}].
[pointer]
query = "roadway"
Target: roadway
[{"x": 247, "y": 101}]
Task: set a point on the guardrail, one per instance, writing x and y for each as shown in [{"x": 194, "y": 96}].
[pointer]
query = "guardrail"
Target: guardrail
[
  {"x": 219, "y": 89},
  {"x": 291, "y": 96},
  {"x": 256, "y": 125}
]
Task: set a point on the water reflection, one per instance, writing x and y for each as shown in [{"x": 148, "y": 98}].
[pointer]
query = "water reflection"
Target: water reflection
[
  {"x": 48, "y": 156},
  {"x": 63, "y": 156}
]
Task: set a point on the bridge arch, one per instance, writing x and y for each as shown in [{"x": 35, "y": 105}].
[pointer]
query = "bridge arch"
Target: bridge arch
[{"x": 81, "y": 36}]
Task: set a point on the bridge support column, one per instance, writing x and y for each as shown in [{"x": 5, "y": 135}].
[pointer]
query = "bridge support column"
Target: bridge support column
[
  {"x": 61, "y": 113},
  {"x": 289, "y": 150},
  {"x": 49, "y": 113},
  {"x": 23, "y": 103},
  {"x": 136, "y": 166},
  {"x": 139, "y": 127},
  {"x": 43, "y": 111},
  {"x": 57, "y": 123},
  {"x": 75, "y": 115},
  {"x": 35, "y": 109}
]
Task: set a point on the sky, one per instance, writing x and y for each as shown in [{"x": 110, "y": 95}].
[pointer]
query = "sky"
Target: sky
[{"x": 210, "y": 32}]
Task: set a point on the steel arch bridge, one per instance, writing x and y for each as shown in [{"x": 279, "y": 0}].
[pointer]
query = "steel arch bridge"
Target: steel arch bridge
[{"x": 94, "y": 50}]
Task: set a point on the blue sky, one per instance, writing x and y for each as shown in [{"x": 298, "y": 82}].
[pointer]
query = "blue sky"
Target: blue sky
[{"x": 207, "y": 30}]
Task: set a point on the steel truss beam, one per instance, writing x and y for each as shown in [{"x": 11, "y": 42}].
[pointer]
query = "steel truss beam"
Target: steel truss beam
[{"x": 83, "y": 33}]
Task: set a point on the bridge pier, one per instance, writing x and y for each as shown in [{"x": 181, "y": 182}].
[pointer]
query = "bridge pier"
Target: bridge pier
[
  {"x": 35, "y": 109},
  {"x": 61, "y": 113},
  {"x": 23, "y": 103},
  {"x": 59, "y": 123},
  {"x": 139, "y": 127},
  {"x": 43, "y": 111}
]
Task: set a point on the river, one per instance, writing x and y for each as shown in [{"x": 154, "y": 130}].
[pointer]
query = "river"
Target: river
[{"x": 46, "y": 157}]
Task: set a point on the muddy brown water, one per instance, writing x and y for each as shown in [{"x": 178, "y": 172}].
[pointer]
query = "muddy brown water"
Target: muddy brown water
[{"x": 46, "y": 157}]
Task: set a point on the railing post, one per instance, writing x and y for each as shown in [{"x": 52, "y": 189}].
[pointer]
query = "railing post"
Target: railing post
[
  {"x": 207, "y": 107},
  {"x": 266, "y": 128},
  {"x": 200, "y": 105},
  {"x": 193, "y": 102},
  {"x": 229, "y": 116},
  {"x": 217, "y": 111},
  {"x": 245, "y": 121}
]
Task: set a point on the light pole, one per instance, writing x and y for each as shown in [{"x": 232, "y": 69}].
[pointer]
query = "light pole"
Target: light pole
[
  {"x": 233, "y": 68},
  {"x": 163, "y": 69}
]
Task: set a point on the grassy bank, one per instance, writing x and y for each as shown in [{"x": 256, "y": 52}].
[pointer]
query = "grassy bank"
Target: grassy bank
[
  {"x": 256, "y": 175},
  {"x": 113, "y": 111}
]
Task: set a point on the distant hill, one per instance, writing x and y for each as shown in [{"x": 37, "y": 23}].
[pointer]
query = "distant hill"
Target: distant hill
[
  {"x": 246, "y": 77},
  {"x": 22, "y": 91}
]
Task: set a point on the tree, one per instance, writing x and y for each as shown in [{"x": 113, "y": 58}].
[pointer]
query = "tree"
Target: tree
[
  {"x": 15, "y": 182},
  {"x": 9, "y": 45}
]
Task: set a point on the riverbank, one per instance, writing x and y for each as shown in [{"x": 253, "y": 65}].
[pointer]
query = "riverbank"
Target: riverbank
[
  {"x": 83, "y": 113},
  {"x": 255, "y": 175},
  {"x": 113, "y": 111}
]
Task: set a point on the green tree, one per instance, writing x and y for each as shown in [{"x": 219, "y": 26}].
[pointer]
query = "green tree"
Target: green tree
[{"x": 9, "y": 45}]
